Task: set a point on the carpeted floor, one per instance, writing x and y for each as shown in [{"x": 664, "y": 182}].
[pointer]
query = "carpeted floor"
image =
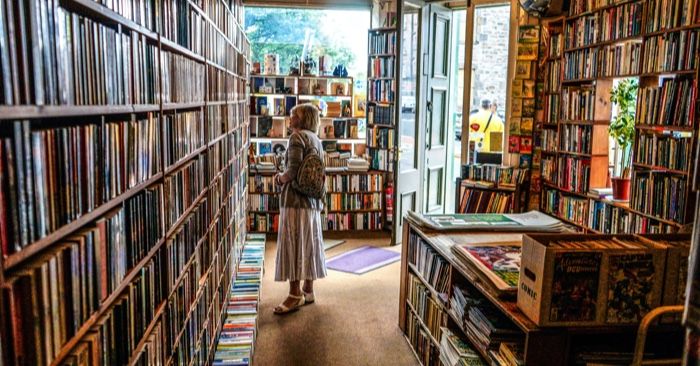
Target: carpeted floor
[{"x": 353, "y": 322}]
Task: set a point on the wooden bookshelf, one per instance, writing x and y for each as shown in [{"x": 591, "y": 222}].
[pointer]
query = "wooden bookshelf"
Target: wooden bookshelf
[
  {"x": 264, "y": 209},
  {"x": 138, "y": 93},
  {"x": 542, "y": 345},
  {"x": 638, "y": 60}
]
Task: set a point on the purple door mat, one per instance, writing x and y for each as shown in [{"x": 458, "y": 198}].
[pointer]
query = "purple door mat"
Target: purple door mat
[{"x": 362, "y": 260}]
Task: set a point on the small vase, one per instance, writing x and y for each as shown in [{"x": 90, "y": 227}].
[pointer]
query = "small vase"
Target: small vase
[{"x": 621, "y": 189}]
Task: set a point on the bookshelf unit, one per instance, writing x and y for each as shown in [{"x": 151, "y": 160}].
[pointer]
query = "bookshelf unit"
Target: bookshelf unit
[
  {"x": 431, "y": 272},
  {"x": 354, "y": 201},
  {"x": 658, "y": 45},
  {"x": 381, "y": 98},
  {"x": 490, "y": 188},
  {"x": 123, "y": 181},
  {"x": 350, "y": 206}
]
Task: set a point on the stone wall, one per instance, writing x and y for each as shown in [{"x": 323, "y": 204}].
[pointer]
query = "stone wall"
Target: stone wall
[{"x": 490, "y": 56}]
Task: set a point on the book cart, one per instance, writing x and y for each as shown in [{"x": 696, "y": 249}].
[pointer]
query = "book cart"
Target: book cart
[{"x": 542, "y": 345}]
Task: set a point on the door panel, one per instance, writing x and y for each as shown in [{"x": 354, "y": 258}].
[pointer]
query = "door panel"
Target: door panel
[
  {"x": 407, "y": 188},
  {"x": 435, "y": 186},
  {"x": 437, "y": 107}
]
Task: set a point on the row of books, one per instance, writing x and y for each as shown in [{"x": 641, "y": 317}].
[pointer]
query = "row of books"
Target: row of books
[
  {"x": 669, "y": 14},
  {"x": 573, "y": 173},
  {"x": 184, "y": 134},
  {"x": 263, "y": 202},
  {"x": 382, "y": 43},
  {"x": 428, "y": 263},
  {"x": 425, "y": 307},
  {"x": 268, "y": 106},
  {"x": 381, "y": 91},
  {"x": 572, "y": 208},
  {"x": 49, "y": 69},
  {"x": 549, "y": 169},
  {"x": 552, "y": 103},
  {"x": 575, "y": 138},
  {"x": 262, "y": 184},
  {"x": 336, "y": 159},
  {"x": 380, "y": 138},
  {"x": 355, "y": 183},
  {"x": 340, "y": 128},
  {"x": 181, "y": 23},
  {"x": 269, "y": 222},
  {"x": 219, "y": 51},
  {"x": 660, "y": 195},
  {"x": 183, "y": 188},
  {"x": 578, "y": 7},
  {"x": 381, "y": 160},
  {"x": 183, "y": 244},
  {"x": 68, "y": 285},
  {"x": 480, "y": 201},
  {"x": 380, "y": 115},
  {"x": 225, "y": 118},
  {"x": 668, "y": 151},
  {"x": 610, "y": 24},
  {"x": 669, "y": 104},
  {"x": 671, "y": 52},
  {"x": 421, "y": 341},
  {"x": 381, "y": 67},
  {"x": 549, "y": 140},
  {"x": 352, "y": 221},
  {"x": 619, "y": 59},
  {"x": 222, "y": 86},
  {"x": 553, "y": 76},
  {"x": 354, "y": 201},
  {"x": 501, "y": 175},
  {"x": 236, "y": 342},
  {"x": 578, "y": 103},
  {"x": 44, "y": 183},
  {"x": 183, "y": 79},
  {"x": 609, "y": 219},
  {"x": 556, "y": 45}
]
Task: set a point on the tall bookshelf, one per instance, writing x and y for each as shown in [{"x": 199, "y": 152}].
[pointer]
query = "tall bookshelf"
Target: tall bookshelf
[
  {"x": 604, "y": 41},
  {"x": 123, "y": 180},
  {"x": 354, "y": 199}
]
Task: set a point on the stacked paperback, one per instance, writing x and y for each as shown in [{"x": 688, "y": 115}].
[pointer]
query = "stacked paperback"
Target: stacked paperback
[
  {"x": 357, "y": 165},
  {"x": 237, "y": 340},
  {"x": 455, "y": 352},
  {"x": 485, "y": 326}
]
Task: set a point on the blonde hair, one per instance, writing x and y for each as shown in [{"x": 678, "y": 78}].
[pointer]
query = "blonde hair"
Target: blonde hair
[{"x": 309, "y": 116}]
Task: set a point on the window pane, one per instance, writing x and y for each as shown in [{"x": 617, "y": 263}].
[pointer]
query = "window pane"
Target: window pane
[
  {"x": 409, "y": 70},
  {"x": 489, "y": 79}
]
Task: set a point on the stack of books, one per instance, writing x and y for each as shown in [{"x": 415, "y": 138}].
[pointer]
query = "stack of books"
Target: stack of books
[
  {"x": 455, "y": 352},
  {"x": 357, "y": 165},
  {"x": 488, "y": 327},
  {"x": 485, "y": 326},
  {"x": 237, "y": 340}
]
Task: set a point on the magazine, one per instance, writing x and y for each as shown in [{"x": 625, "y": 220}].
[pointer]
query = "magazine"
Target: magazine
[{"x": 533, "y": 221}]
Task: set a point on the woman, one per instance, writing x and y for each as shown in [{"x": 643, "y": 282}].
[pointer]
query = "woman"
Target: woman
[{"x": 300, "y": 253}]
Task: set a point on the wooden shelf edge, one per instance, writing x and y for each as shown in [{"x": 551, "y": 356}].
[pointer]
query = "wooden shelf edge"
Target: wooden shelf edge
[{"x": 13, "y": 260}]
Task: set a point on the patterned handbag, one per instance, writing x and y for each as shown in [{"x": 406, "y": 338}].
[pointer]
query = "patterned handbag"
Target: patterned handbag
[{"x": 311, "y": 176}]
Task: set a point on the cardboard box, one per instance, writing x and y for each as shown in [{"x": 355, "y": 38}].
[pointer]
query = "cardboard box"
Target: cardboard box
[
  {"x": 676, "y": 274},
  {"x": 591, "y": 286}
]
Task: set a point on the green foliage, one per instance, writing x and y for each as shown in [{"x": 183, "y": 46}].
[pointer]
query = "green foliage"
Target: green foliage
[
  {"x": 624, "y": 95},
  {"x": 282, "y": 31}
]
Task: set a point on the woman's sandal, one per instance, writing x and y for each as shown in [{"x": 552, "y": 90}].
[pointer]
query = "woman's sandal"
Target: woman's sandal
[
  {"x": 282, "y": 309},
  {"x": 309, "y": 297}
]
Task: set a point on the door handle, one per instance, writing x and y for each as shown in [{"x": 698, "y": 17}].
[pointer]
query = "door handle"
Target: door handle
[{"x": 429, "y": 106}]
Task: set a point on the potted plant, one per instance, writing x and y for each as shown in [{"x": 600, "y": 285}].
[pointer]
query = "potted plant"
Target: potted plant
[{"x": 624, "y": 95}]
